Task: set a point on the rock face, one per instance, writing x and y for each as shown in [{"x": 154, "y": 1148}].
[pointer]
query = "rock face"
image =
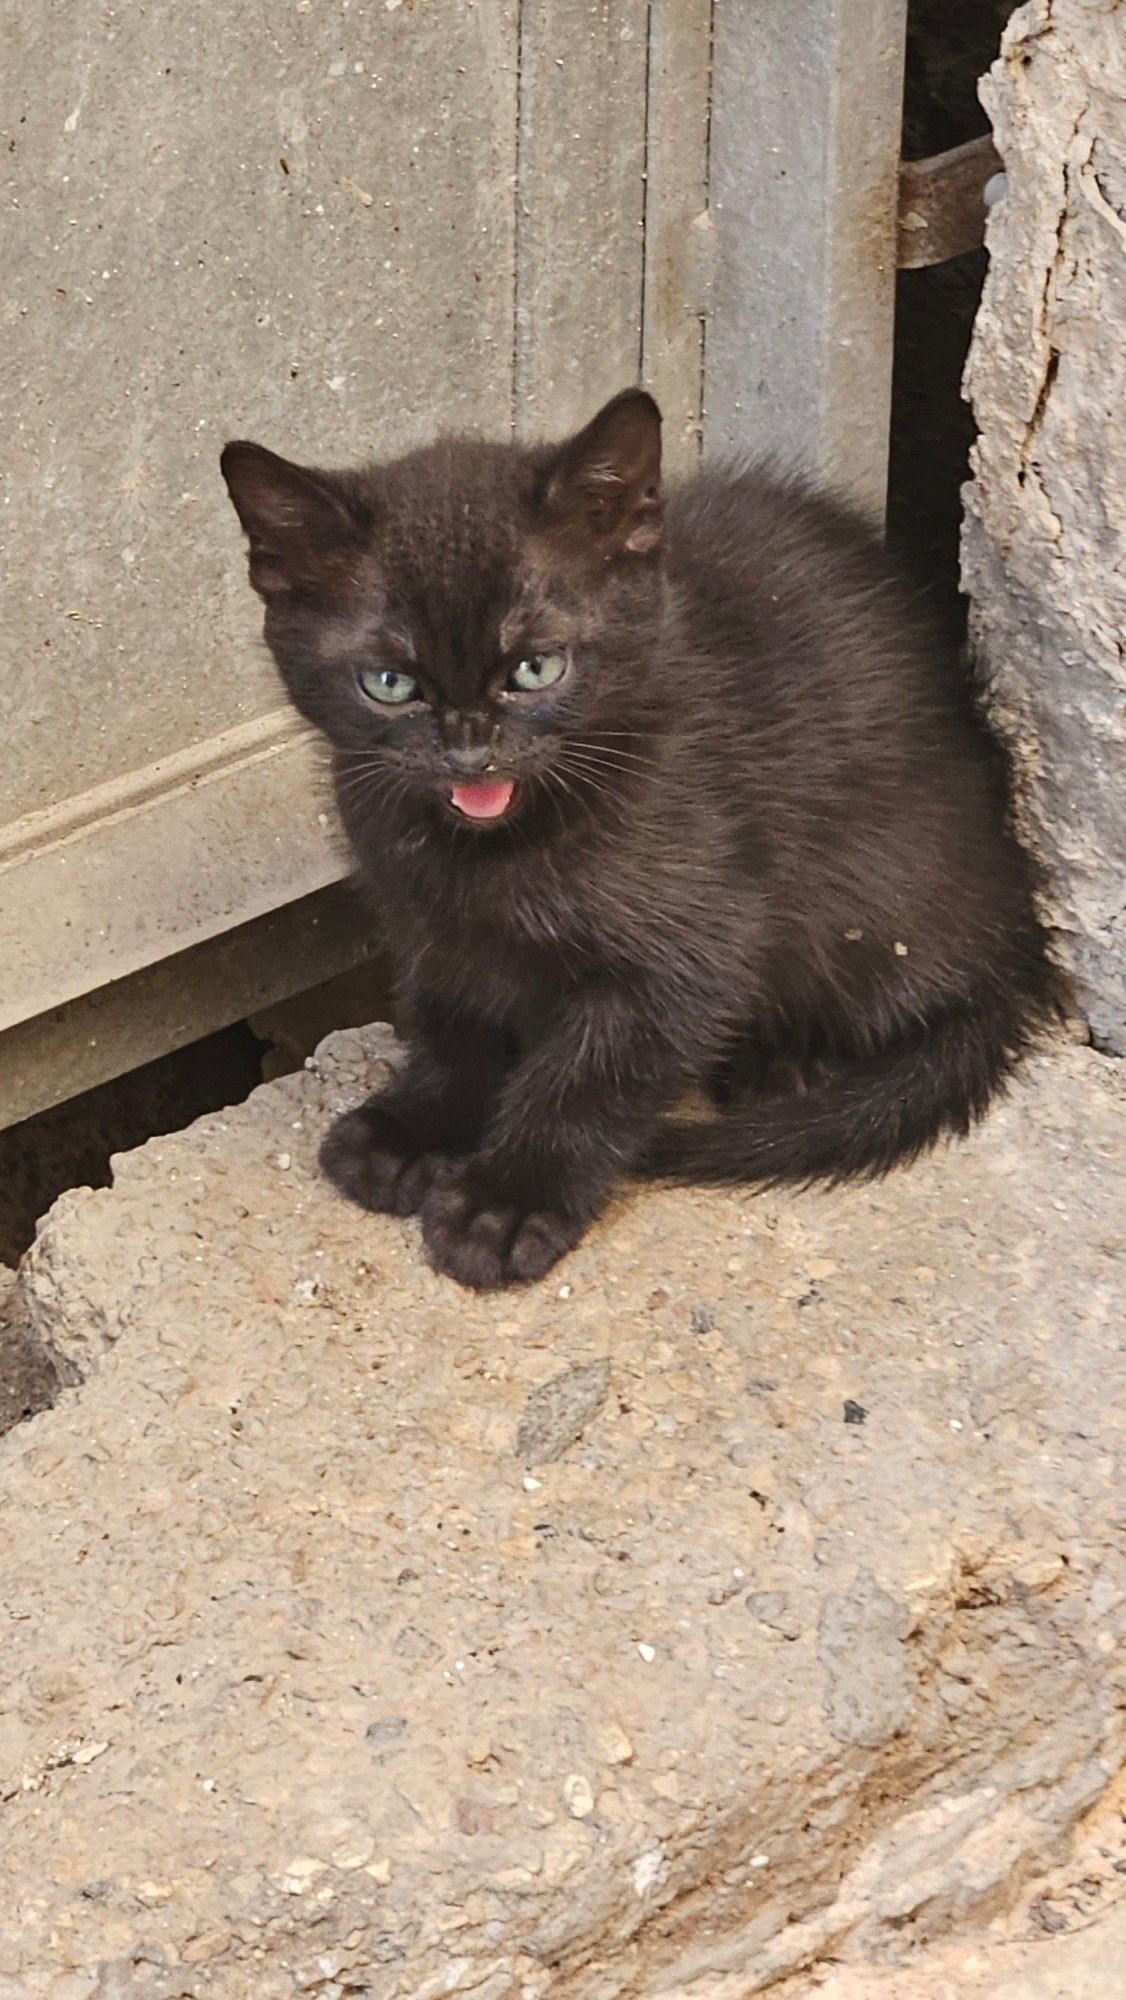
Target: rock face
[
  {"x": 1045, "y": 537},
  {"x": 750, "y": 1594},
  {"x": 28, "y": 1381}
]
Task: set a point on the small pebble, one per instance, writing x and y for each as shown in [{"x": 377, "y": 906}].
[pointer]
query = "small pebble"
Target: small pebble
[
  {"x": 205, "y": 1947},
  {"x": 854, "y": 1413},
  {"x": 353, "y": 1854},
  {"x": 301, "y": 1874},
  {"x": 615, "y": 1745},
  {"x": 88, "y": 1752},
  {"x": 283, "y": 1161},
  {"x": 557, "y": 1413},
  {"x": 648, "y": 1653},
  {"x": 579, "y": 1797},
  {"x": 647, "y": 1870}
]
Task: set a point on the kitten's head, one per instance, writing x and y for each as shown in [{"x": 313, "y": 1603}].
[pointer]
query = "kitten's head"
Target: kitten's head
[{"x": 469, "y": 624}]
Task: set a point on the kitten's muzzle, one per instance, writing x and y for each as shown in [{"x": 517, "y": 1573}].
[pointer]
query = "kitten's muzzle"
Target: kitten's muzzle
[{"x": 472, "y": 760}]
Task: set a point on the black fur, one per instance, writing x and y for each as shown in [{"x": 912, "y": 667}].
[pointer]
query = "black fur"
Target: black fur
[{"x": 758, "y": 840}]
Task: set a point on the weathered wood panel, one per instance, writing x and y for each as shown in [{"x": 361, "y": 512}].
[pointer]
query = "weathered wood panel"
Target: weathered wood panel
[{"x": 580, "y": 207}]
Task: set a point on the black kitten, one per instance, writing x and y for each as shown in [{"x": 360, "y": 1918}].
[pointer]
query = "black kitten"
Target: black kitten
[{"x": 654, "y": 792}]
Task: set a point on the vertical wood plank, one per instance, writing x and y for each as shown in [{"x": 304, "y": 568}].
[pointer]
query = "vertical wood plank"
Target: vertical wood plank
[
  {"x": 806, "y": 116},
  {"x": 678, "y": 230},
  {"x": 580, "y": 208}
]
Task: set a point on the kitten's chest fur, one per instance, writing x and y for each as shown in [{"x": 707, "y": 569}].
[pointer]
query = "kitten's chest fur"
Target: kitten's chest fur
[{"x": 512, "y": 935}]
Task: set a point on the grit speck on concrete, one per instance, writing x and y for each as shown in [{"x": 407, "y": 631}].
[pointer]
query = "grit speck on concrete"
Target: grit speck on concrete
[{"x": 368, "y": 1637}]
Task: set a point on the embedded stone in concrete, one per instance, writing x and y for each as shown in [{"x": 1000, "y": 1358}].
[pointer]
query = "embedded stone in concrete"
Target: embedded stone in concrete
[{"x": 314, "y": 1685}]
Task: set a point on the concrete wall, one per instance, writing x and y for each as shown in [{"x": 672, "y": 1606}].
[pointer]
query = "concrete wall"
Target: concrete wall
[{"x": 1045, "y": 538}]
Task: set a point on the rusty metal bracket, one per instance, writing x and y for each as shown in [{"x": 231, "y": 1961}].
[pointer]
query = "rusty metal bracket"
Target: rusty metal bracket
[{"x": 942, "y": 205}]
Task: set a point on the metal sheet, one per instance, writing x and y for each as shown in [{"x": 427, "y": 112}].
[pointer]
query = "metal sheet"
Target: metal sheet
[
  {"x": 580, "y": 207},
  {"x": 96, "y": 888},
  {"x": 294, "y": 223},
  {"x": 806, "y": 117},
  {"x": 678, "y": 229}
]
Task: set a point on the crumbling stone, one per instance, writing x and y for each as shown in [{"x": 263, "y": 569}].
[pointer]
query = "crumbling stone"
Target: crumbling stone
[
  {"x": 1044, "y": 555},
  {"x": 313, "y": 1686}
]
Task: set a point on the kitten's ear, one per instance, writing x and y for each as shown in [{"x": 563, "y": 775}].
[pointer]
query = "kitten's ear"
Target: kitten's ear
[
  {"x": 302, "y": 534},
  {"x": 603, "y": 489}
]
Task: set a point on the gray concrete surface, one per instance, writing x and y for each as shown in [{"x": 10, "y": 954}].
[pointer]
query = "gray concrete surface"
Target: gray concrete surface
[
  {"x": 242, "y": 233},
  {"x": 313, "y": 1684},
  {"x": 1045, "y": 537}
]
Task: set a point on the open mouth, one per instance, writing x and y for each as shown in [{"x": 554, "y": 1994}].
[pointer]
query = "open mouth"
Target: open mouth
[{"x": 489, "y": 800}]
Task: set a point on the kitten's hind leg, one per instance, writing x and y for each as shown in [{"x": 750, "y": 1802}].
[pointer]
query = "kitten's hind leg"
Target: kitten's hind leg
[
  {"x": 386, "y": 1154},
  {"x": 767, "y": 1064}
]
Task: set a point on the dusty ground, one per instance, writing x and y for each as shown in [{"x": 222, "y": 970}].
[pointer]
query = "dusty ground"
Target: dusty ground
[{"x": 742, "y": 1611}]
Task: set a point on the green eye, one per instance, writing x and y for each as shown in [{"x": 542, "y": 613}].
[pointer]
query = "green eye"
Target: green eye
[
  {"x": 385, "y": 685},
  {"x": 539, "y": 670}
]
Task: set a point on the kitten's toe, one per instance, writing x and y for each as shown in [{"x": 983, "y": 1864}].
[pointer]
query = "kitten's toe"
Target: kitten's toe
[
  {"x": 361, "y": 1159},
  {"x": 488, "y": 1245},
  {"x": 540, "y": 1241}
]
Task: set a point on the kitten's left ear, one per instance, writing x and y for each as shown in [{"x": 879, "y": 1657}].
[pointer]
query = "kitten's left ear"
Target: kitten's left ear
[{"x": 603, "y": 490}]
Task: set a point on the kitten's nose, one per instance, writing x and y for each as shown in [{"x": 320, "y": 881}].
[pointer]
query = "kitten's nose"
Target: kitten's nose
[{"x": 471, "y": 759}]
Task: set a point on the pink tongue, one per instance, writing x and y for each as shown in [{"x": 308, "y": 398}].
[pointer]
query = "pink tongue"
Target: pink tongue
[{"x": 483, "y": 801}]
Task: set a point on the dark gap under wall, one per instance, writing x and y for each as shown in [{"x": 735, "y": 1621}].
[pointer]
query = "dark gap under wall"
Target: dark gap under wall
[
  {"x": 950, "y": 43},
  {"x": 70, "y": 1145}
]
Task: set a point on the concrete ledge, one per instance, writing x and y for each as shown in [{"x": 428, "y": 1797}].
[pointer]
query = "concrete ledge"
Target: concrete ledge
[{"x": 314, "y": 1685}]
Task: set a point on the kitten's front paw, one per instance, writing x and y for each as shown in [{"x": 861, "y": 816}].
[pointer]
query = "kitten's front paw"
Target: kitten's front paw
[
  {"x": 371, "y": 1156},
  {"x": 480, "y": 1237}
]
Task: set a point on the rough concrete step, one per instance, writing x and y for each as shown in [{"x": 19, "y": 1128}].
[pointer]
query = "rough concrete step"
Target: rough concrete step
[
  {"x": 807, "y": 1644},
  {"x": 1086, "y": 1966}
]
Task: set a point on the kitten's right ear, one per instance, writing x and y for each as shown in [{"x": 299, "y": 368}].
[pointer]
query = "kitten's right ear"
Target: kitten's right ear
[
  {"x": 603, "y": 492},
  {"x": 302, "y": 534}
]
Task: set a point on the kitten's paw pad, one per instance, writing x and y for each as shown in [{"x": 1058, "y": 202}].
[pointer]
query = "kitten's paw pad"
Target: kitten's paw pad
[
  {"x": 368, "y": 1157},
  {"x": 486, "y": 1245}
]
